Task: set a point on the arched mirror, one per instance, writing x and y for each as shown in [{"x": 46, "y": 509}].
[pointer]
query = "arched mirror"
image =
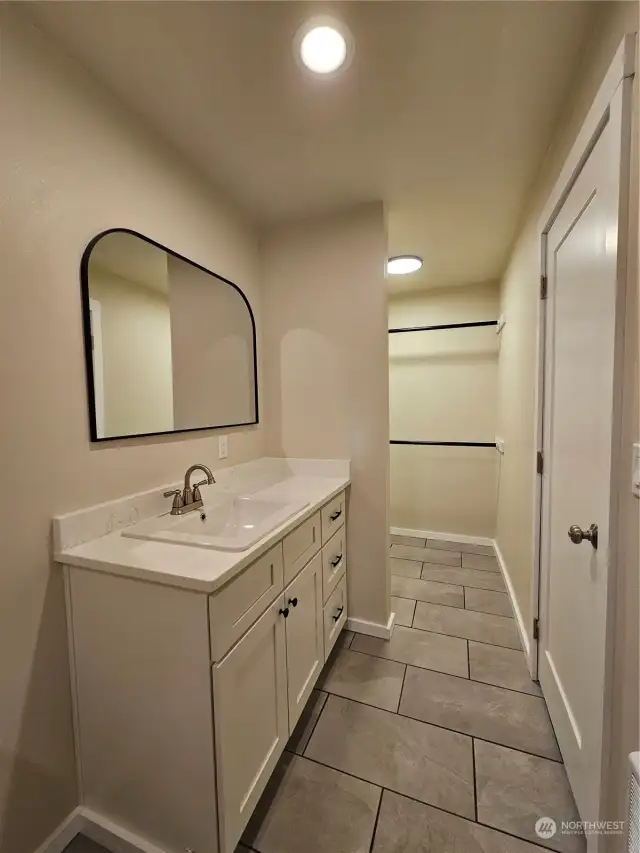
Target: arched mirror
[{"x": 169, "y": 345}]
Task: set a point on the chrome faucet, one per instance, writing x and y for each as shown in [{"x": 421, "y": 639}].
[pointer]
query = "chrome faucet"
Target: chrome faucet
[{"x": 189, "y": 498}]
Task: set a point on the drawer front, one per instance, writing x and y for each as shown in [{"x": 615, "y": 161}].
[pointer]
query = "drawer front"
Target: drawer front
[
  {"x": 335, "y": 615},
  {"x": 333, "y": 516},
  {"x": 334, "y": 561},
  {"x": 235, "y": 607},
  {"x": 300, "y": 546}
]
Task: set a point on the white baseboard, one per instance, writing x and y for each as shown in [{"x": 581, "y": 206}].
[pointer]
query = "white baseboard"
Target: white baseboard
[
  {"x": 522, "y": 628},
  {"x": 63, "y": 834},
  {"x": 447, "y": 537},
  {"x": 372, "y": 629},
  {"x": 101, "y": 830}
]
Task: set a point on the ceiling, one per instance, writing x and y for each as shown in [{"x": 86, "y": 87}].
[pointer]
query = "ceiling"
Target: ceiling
[
  {"x": 133, "y": 259},
  {"x": 444, "y": 113}
]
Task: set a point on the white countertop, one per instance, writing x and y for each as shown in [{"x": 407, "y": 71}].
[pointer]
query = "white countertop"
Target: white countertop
[{"x": 188, "y": 567}]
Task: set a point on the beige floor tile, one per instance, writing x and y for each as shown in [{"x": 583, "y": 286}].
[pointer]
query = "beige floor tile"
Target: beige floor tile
[
  {"x": 500, "y": 666},
  {"x": 515, "y": 789},
  {"x": 463, "y": 547},
  {"x": 310, "y": 808},
  {"x": 398, "y": 539},
  {"x": 483, "y": 627},
  {"x": 481, "y": 562},
  {"x": 438, "y": 593},
  {"x": 407, "y": 756},
  {"x": 420, "y": 648},
  {"x": 345, "y": 639},
  {"x": 482, "y": 710},
  {"x": 403, "y": 608},
  {"x": 427, "y": 555},
  {"x": 364, "y": 678},
  {"x": 308, "y": 719},
  {"x": 463, "y": 577},
  {"x": 405, "y": 826},
  {"x": 488, "y": 601},
  {"x": 405, "y": 568}
]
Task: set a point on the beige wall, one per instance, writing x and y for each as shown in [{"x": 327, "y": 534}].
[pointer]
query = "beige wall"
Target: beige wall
[
  {"x": 72, "y": 164},
  {"x": 443, "y": 387},
  {"x": 325, "y": 315},
  {"x": 516, "y": 419},
  {"x": 136, "y": 354}
]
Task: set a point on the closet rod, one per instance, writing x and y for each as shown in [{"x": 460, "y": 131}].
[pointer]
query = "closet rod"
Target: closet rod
[
  {"x": 448, "y": 443},
  {"x": 447, "y": 326}
]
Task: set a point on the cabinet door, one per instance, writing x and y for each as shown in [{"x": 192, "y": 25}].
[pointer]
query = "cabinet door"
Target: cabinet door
[
  {"x": 251, "y": 720},
  {"x": 305, "y": 636}
]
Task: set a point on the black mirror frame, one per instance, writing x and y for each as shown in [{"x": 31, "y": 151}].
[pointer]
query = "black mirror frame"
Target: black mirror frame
[{"x": 88, "y": 357}]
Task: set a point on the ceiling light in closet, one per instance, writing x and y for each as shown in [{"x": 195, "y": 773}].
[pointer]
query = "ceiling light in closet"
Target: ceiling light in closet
[
  {"x": 403, "y": 264},
  {"x": 324, "y": 45}
]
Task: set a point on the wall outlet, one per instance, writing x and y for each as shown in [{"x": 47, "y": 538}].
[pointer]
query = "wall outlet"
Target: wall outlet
[{"x": 223, "y": 446}]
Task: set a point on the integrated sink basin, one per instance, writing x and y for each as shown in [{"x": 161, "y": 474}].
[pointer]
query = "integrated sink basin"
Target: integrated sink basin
[{"x": 231, "y": 523}]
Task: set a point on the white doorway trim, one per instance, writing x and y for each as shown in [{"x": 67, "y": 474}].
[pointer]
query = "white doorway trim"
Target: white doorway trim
[
  {"x": 612, "y": 106},
  {"x": 622, "y": 68}
]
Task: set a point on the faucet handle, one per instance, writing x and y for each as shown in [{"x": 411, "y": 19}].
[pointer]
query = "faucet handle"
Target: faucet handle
[
  {"x": 196, "y": 489},
  {"x": 178, "y": 503}
]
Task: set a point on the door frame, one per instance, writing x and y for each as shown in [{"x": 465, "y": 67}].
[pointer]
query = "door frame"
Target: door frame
[{"x": 612, "y": 102}]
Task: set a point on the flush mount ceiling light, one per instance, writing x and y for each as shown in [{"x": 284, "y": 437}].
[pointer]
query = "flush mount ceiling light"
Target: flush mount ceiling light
[
  {"x": 403, "y": 264},
  {"x": 323, "y": 45}
]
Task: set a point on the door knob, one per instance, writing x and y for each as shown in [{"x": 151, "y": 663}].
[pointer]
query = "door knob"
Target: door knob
[{"x": 577, "y": 534}]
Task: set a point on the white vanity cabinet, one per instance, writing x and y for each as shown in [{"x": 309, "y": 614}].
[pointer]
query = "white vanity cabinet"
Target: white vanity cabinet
[{"x": 184, "y": 700}]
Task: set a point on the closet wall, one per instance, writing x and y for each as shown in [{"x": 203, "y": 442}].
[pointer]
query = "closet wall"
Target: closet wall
[{"x": 443, "y": 386}]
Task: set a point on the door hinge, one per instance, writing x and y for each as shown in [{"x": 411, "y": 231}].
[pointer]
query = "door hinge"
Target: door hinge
[
  {"x": 536, "y": 629},
  {"x": 540, "y": 463},
  {"x": 543, "y": 287}
]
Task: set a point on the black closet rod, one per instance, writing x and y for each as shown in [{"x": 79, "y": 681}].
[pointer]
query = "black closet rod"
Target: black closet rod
[
  {"x": 448, "y": 443},
  {"x": 446, "y": 326}
]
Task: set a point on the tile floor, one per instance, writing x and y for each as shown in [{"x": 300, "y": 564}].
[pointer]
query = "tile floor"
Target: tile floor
[{"x": 434, "y": 742}]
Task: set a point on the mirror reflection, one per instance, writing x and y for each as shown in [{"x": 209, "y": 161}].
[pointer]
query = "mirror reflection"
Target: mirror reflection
[{"x": 170, "y": 346}]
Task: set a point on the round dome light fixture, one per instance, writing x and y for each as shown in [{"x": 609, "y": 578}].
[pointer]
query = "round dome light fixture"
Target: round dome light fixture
[
  {"x": 403, "y": 264},
  {"x": 324, "y": 45}
]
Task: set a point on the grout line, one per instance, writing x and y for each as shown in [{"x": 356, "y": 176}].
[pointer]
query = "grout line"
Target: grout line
[
  {"x": 458, "y": 637},
  {"x": 375, "y": 823},
  {"x": 475, "y": 784},
  {"x": 435, "y": 726},
  {"x": 404, "y": 678},
  {"x": 453, "y": 674},
  {"x": 324, "y": 705},
  {"x": 453, "y": 583},
  {"x": 468, "y": 662},
  {"x": 453, "y": 606},
  {"x": 464, "y": 599}
]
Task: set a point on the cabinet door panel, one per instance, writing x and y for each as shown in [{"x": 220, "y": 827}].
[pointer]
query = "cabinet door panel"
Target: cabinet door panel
[
  {"x": 251, "y": 720},
  {"x": 305, "y": 636}
]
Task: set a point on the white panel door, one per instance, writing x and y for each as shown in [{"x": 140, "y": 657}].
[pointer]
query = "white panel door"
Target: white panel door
[
  {"x": 579, "y": 400},
  {"x": 251, "y": 720},
  {"x": 305, "y": 636}
]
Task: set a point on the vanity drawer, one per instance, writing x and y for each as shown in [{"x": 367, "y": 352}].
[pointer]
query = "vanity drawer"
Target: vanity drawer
[
  {"x": 300, "y": 546},
  {"x": 334, "y": 561},
  {"x": 335, "y": 615},
  {"x": 333, "y": 516},
  {"x": 235, "y": 607}
]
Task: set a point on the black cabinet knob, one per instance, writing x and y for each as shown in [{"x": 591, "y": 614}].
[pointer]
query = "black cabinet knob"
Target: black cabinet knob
[
  {"x": 284, "y": 611},
  {"x": 293, "y": 602}
]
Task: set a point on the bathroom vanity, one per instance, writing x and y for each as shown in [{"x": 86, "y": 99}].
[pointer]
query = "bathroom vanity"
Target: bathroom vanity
[{"x": 191, "y": 665}]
